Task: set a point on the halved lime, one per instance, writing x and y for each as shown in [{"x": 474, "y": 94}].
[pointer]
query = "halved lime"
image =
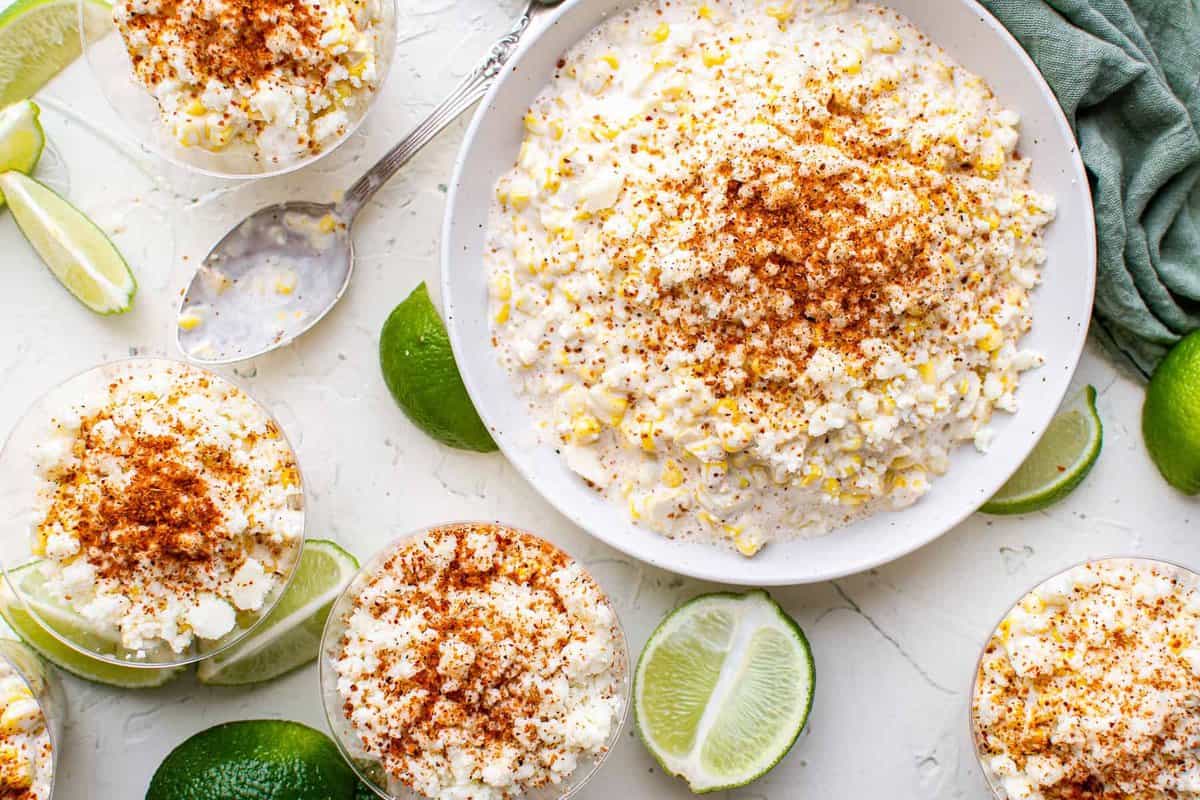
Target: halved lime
[
  {"x": 75, "y": 250},
  {"x": 1061, "y": 460},
  {"x": 21, "y": 138},
  {"x": 290, "y": 636},
  {"x": 723, "y": 689},
  {"x": 40, "y": 37},
  {"x": 67, "y": 624},
  {"x": 260, "y": 759},
  {"x": 1171, "y": 416},
  {"x": 419, "y": 370}
]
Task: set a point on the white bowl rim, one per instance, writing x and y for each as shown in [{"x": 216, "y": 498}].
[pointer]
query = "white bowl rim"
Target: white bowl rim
[{"x": 639, "y": 542}]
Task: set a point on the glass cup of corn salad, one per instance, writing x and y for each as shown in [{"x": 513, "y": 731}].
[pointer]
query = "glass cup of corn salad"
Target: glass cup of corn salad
[
  {"x": 1089, "y": 684},
  {"x": 242, "y": 88},
  {"x": 474, "y": 660},
  {"x": 154, "y": 513},
  {"x": 32, "y": 713}
]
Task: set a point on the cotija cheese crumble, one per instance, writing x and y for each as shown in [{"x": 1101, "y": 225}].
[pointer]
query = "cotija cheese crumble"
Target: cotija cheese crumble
[
  {"x": 479, "y": 663},
  {"x": 761, "y": 266},
  {"x": 26, "y": 762},
  {"x": 170, "y": 504},
  {"x": 1090, "y": 687},
  {"x": 281, "y": 79}
]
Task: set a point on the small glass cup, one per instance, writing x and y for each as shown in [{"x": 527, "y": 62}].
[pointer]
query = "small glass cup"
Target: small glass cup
[
  {"x": 47, "y": 691},
  {"x": 1186, "y": 576},
  {"x": 19, "y": 483},
  {"x": 106, "y": 54},
  {"x": 368, "y": 768}
]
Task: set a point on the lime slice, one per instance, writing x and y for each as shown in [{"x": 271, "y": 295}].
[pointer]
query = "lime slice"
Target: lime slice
[
  {"x": 723, "y": 689},
  {"x": 67, "y": 624},
  {"x": 256, "y": 760},
  {"x": 21, "y": 138},
  {"x": 1060, "y": 461},
  {"x": 75, "y": 250},
  {"x": 40, "y": 37},
  {"x": 419, "y": 369},
  {"x": 290, "y": 636},
  {"x": 1171, "y": 416}
]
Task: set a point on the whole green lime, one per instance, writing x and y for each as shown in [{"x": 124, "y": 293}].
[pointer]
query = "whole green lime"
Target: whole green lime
[
  {"x": 1171, "y": 416},
  {"x": 255, "y": 760},
  {"x": 419, "y": 369}
]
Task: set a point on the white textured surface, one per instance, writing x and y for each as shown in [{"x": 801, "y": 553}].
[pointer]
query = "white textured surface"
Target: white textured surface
[{"x": 895, "y": 647}]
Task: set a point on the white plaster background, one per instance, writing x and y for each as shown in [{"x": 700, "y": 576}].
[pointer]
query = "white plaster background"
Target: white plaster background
[{"x": 895, "y": 647}]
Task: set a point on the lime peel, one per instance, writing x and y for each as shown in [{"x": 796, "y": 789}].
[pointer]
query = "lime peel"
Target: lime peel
[
  {"x": 1170, "y": 416},
  {"x": 1059, "y": 462},
  {"x": 66, "y": 658},
  {"x": 290, "y": 636},
  {"x": 77, "y": 252},
  {"x": 38, "y": 38},
  {"x": 723, "y": 689},
  {"x": 419, "y": 369}
]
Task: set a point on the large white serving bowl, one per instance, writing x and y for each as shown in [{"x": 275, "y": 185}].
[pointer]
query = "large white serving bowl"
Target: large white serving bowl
[{"x": 1061, "y": 309}]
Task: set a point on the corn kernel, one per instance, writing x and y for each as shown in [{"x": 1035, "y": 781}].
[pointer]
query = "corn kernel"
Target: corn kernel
[
  {"x": 891, "y": 44},
  {"x": 190, "y": 319},
  {"x": 781, "y": 13},
  {"x": 746, "y": 546},
  {"x": 585, "y": 429},
  {"x": 672, "y": 475},
  {"x": 196, "y": 108},
  {"x": 713, "y": 58},
  {"x": 832, "y": 487},
  {"x": 518, "y": 200},
  {"x": 327, "y": 224},
  {"x": 660, "y": 34},
  {"x": 927, "y": 372},
  {"x": 704, "y": 12},
  {"x": 532, "y": 124},
  {"x": 990, "y": 342},
  {"x": 850, "y": 62},
  {"x": 611, "y": 59},
  {"x": 503, "y": 313},
  {"x": 556, "y": 130},
  {"x": 285, "y": 282},
  {"x": 502, "y": 286}
]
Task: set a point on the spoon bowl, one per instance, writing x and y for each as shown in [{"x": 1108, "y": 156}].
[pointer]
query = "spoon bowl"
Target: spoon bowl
[
  {"x": 281, "y": 270},
  {"x": 268, "y": 281}
]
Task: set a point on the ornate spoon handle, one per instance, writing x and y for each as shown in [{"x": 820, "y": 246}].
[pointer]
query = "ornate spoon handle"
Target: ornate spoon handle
[{"x": 469, "y": 92}]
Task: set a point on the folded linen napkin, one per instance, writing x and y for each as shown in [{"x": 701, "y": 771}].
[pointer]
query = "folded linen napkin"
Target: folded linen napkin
[{"x": 1127, "y": 73}]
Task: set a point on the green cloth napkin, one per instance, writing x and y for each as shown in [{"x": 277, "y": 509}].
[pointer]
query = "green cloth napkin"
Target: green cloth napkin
[{"x": 1127, "y": 73}]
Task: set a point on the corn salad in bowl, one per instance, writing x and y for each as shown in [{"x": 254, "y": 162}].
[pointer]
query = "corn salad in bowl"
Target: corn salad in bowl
[
  {"x": 245, "y": 87},
  {"x": 760, "y": 269}
]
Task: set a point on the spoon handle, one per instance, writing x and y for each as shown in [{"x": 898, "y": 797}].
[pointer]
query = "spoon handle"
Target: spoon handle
[{"x": 469, "y": 92}]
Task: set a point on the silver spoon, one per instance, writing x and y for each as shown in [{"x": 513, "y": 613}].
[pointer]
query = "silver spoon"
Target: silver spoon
[{"x": 280, "y": 271}]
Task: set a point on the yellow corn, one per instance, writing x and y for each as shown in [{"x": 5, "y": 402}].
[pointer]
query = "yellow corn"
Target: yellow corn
[
  {"x": 190, "y": 319},
  {"x": 585, "y": 429},
  {"x": 503, "y": 313},
  {"x": 556, "y": 129},
  {"x": 518, "y": 200},
  {"x": 927, "y": 372},
  {"x": 660, "y": 34},
  {"x": 196, "y": 108},
  {"x": 672, "y": 475},
  {"x": 611, "y": 59},
  {"x": 891, "y": 44},
  {"x": 781, "y": 13},
  {"x": 714, "y": 58},
  {"x": 285, "y": 282},
  {"x": 502, "y": 286},
  {"x": 832, "y": 487},
  {"x": 990, "y": 342},
  {"x": 812, "y": 474},
  {"x": 327, "y": 224},
  {"x": 704, "y": 12},
  {"x": 746, "y": 546}
]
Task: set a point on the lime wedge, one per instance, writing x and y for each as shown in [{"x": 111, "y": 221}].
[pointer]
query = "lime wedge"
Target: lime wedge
[
  {"x": 66, "y": 658},
  {"x": 1171, "y": 416},
  {"x": 290, "y": 636},
  {"x": 1060, "y": 461},
  {"x": 21, "y": 138},
  {"x": 723, "y": 689},
  {"x": 40, "y": 37},
  {"x": 257, "y": 760},
  {"x": 419, "y": 369},
  {"x": 75, "y": 250}
]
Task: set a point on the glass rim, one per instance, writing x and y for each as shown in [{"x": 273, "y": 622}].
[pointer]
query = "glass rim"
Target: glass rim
[
  {"x": 54, "y": 727},
  {"x": 996, "y": 791},
  {"x": 139, "y": 135},
  {"x": 193, "y": 654},
  {"x": 334, "y": 716}
]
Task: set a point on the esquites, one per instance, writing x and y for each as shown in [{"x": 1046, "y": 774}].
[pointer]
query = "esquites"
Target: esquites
[
  {"x": 1089, "y": 687},
  {"x": 169, "y": 505},
  {"x": 479, "y": 662},
  {"x": 26, "y": 762},
  {"x": 761, "y": 266},
  {"x": 282, "y": 78}
]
